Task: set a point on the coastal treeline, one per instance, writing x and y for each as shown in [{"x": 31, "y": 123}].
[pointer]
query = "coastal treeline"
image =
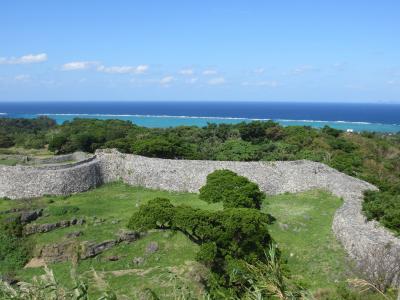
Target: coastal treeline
[{"x": 373, "y": 157}]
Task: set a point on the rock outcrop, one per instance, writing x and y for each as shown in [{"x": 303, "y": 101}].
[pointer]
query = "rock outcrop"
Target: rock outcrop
[
  {"x": 66, "y": 250},
  {"x": 42, "y": 228}
]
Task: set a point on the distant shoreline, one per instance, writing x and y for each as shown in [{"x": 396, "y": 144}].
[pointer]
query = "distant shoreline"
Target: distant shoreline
[
  {"x": 164, "y": 121},
  {"x": 355, "y": 116}
]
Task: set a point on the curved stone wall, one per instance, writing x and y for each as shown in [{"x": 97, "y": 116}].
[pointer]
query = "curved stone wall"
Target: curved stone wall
[
  {"x": 76, "y": 156},
  {"x": 28, "y": 182},
  {"x": 375, "y": 250}
]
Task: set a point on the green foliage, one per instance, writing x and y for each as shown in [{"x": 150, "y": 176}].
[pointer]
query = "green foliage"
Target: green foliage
[
  {"x": 331, "y": 131},
  {"x": 28, "y": 133},
  {"x": 232, "y": 190},
  {"x": 88, "y": 134},
  {"x": 267, "y": 279},
  {"x": 238, "y": 150},
  {"x": 57, "y": 142},
  {"x": 384, "y": 207},
  {"x": 258, "y": 131},
  {"x": 63, "y": 210},
  {"x": 207, "y": 253},
  {"x": 14, "y": 248},
  {"x": 157, "y": 213},
  {"x": 6, "y": 140},
  {"x": 157, "y": 147},
  {"x": 225, "y": 237}
]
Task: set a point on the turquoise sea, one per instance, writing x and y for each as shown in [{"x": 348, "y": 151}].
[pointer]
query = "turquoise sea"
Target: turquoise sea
[{"x": 352, "y": 116}]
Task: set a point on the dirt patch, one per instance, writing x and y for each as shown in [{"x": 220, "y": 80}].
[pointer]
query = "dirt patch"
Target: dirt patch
[
  {"x": 35, "y": 263},
  {"x": 140, "y": 272}
]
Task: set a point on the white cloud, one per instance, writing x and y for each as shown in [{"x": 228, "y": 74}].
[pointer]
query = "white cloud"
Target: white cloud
[
  {"x": 78, "y": 65},
  {"x": 303, "y": 69},
  {"x": 259, "y": 71},
  {"x": 22, "y": 77},
  {"x": 123, "y": 69},
  {"x": 83, "y": 65},
  {"x": 186, "y": 72},
  {"x": 266, "y": 83},
  {"x": 26, "y": 59},
  {"x": 167, "y": 80},
  {"x": 217, "y": 81},
  {"x": 140, "y": 69},
  {"x": 210, "y": 72},
  {"x": 116, "y": 69}
]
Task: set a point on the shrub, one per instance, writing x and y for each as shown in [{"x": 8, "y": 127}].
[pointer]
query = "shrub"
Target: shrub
[
  {"x": 231, "y": 189},
  {"x": 6, "y": 141},
  {"x": 14, "y": 253},
  {"x": 14, "y": 248},
  {"x": 238, "y": 150},
  {"x": 156, "y": 147},
  {"x": 257, "y": 131},
  {"x": 384, "y": 207}
]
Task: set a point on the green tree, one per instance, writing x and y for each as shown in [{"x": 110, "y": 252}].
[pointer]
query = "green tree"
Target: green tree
[
  {"x": 232, "y": 190},
  {"x": 157, "y": 213}
]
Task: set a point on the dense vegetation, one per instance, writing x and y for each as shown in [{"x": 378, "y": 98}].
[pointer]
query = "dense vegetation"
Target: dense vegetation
[
  {"x": 27, "y": 133},
  {"x": 370, "y": 156},
  {"x": 14, "y": 247}
]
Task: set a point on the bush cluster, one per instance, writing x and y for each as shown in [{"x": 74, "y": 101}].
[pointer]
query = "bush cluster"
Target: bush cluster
[
  {"x": 232, "y": 190},
  {"x": 384, "y": 207},
  {"x": 15, "y": 249}
]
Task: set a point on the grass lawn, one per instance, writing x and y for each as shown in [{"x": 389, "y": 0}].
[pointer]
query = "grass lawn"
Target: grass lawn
[
  {"x": 302, "y": 230},
  {"x": 8, "y": 161},
  {"x": 303, "y": 233},
  {"x": 29, "y": 152}
]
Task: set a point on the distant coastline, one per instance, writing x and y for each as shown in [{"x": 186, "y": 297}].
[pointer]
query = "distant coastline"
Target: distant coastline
[{"x": 353, "y": 116}]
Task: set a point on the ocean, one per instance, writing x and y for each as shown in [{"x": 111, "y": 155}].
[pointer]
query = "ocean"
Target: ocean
[{"x": 346, "y": 116}]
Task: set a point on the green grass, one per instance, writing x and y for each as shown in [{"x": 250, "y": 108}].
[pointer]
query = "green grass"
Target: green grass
[
  {"x": 28, "y": 152},
  {"x": 302, "y": 231},
  {"x": 8, "y": 161}
]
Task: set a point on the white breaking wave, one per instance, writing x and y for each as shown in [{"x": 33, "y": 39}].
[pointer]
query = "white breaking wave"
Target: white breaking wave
[{"x": 214, "y": 118}]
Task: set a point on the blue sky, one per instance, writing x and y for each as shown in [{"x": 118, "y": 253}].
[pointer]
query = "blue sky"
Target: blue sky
[{"x": 347, "y": 51}]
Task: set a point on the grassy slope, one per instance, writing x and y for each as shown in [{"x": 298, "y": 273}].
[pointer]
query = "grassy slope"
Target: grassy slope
[{"x": 302, "y": 231}]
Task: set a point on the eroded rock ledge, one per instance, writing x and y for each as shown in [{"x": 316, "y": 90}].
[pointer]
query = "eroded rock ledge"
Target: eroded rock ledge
[{"x": 375, "y": 250}]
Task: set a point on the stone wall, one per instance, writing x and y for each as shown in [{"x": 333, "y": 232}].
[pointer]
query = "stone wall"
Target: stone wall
[
  {"x": 374, "y": 249},
  {"x": 57, "y": 159},
  {"x": 28, "y": 182}
]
